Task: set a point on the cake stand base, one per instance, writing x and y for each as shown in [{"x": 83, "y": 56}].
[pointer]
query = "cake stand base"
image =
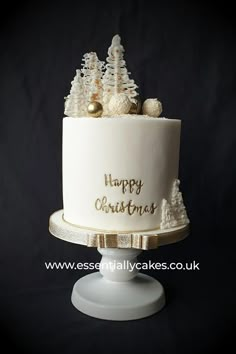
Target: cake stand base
[
  {"x": 118, "y": 301},
  {"x": 118, "y": 292}
]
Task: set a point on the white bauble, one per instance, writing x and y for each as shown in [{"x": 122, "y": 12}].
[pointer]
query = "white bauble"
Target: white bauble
[
  {"x": 119, "y": 104},
  {"x": 152, "y": 107}
]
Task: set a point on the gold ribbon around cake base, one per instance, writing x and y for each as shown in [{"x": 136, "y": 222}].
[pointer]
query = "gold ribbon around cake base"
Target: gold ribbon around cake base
[{"x": 144, "y": 241}]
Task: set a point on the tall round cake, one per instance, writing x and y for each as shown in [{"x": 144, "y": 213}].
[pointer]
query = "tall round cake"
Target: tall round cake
[
  {"x": 117, "y": 171},
  {"x": 120, "y": 170}
]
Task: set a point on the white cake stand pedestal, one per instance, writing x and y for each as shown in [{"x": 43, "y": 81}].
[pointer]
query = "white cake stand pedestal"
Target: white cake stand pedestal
[{"x": 118, "y": 292}]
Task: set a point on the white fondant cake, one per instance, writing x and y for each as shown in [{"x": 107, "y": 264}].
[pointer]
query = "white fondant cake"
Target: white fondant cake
[{"x": 118, "y": 170}]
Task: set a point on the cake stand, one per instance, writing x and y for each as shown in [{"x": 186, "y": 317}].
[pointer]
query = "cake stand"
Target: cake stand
[{"x": 118, "y": 291}]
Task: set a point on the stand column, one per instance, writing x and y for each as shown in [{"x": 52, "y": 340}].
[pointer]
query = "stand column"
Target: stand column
[{"x": 118, "y": 264}]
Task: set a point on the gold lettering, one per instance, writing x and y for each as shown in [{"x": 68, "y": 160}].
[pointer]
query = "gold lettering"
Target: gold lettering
[
  {"x": 139, "y": 185},
  {"x": 124, "y": 183},
  {"x": 108, "y": 180},
  {"x": 102, "y": 204},
  {"x": 153, "y": 208},
  {"x": 131, "y": 208},
  {"x": 132, "y": 183},
  {"x": 98, "y": 204},
  {"x": 127, "y": 185},
  {"x": 116, "y": 183}
]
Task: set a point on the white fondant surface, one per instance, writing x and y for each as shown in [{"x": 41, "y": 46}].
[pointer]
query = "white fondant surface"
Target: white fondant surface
[{"x": 129, "y": 147}]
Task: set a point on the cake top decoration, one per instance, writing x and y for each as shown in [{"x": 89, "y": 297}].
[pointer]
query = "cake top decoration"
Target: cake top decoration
[
  {"x": 116, "y": 77},
  {"x": 100, "y": 89}
]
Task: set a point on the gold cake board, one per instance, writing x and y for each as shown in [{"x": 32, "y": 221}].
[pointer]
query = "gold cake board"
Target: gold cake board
[{"x": 144, "y": 240}]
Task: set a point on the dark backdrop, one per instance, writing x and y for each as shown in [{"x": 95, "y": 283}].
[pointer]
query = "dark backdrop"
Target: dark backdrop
[{"x": 182, "y": 53}]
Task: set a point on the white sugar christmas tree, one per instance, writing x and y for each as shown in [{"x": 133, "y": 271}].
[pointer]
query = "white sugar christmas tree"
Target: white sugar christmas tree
[
  {"x": 92, "y": 70},
  {"x": 116, "y": 78},
  {"x": 177, "y": 204},
  {"x": 114, "y": 90},
  {"x": 167, "y": 217},
  {"x": 174, "y": 213},
  {"x": 75, "y": 101}
]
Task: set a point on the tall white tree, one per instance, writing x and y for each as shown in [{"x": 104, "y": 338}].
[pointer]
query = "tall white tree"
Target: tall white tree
[
  {"x": 74, "y": 104},
  {"x": 177, "y": 204},
  {"x": 116, "y": 77},
  {"x": 167, "y": 218},
  {"x": 92, "y": 70}
]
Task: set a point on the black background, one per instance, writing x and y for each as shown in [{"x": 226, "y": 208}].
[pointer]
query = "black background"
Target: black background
[{"x": 185, "y": 55}]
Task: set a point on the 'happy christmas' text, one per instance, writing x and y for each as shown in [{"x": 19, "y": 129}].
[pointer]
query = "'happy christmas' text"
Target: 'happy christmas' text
[{"x": 123, "y": 207}]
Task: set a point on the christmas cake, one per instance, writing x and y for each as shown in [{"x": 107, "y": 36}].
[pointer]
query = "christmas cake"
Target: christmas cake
[{"x": 120, "y": 166}]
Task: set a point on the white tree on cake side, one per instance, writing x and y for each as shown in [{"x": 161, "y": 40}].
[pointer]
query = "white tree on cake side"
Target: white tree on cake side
[
  {"x": 92, "y": 70},
  {"x": 177, "y": 204},
  {"x": 74, "y": 104},
  {"x": 116, "y": 77},
  {"x": 167, "y": 218}
]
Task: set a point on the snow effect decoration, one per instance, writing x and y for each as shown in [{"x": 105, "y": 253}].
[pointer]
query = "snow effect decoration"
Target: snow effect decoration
[
  {"x": 119, "y": 104},
  {"x": 116, "y": 77},
  {"x": 152, "y": 107},
  {"x": 173, "y": 214}
]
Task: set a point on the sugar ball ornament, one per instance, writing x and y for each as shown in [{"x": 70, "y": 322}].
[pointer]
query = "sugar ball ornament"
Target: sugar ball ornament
[
  {"x": 119, "y": 104},
  {"x": 95, "y": 109},
  {"x": 152, "y": 107}
]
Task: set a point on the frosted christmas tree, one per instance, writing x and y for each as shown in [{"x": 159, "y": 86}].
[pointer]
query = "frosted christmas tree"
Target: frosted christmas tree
[
  {"x": 116, "y": 78},
  {"x": 92, "y": 70},
  {"x": 94, "y": 93},
  {"x": 174, "y": 213},
  {"x": 74, "y": 104},
  {"x": 177, "y": 204}
]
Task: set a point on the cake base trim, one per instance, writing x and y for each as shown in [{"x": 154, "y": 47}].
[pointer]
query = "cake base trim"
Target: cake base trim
[{"x": 59, "y": 228}]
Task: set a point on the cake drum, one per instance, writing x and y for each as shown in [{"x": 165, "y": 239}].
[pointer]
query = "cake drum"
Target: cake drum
[{"x": 118, "y": 294}]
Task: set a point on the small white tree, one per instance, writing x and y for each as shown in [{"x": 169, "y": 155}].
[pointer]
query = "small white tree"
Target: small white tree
[
  {"x": 177, "y": 204},
  {"x": 92, "y": 70},
  {"x": 74, "y": 104},
  {"x": 167, "y": 218},
  {"x": 116, "y": 77}
]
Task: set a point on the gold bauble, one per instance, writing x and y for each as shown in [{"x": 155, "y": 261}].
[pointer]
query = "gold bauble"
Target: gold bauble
[
  {"x": 95, "y": 109},
  {"x": 136, "y": 106}
]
